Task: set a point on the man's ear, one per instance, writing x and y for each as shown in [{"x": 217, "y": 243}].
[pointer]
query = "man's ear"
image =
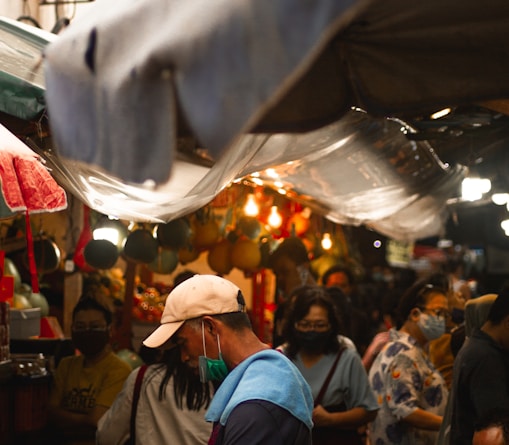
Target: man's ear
[{"x": 209, "y": 325}]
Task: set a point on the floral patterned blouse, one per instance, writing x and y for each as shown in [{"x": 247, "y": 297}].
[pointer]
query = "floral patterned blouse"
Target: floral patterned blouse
[{"x": 403, "y": 379}]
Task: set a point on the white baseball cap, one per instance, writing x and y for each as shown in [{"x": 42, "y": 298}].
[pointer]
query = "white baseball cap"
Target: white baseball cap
[{"x": 194, "y": 297}]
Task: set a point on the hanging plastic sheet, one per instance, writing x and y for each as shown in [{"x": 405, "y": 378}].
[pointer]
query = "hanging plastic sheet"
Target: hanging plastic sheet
[{"x": 358, "y": 170}]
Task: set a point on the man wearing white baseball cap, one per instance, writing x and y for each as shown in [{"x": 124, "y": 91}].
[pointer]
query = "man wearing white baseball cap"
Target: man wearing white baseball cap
[{"x": 262, "y": 397}]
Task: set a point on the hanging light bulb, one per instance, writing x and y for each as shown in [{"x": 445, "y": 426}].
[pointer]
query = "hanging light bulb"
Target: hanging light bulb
[
  {"x": 251, "y": 207},
  {"x": 441, "y": 113},
  {"x": 505, "y": 226},
  {"x": 326, "y": 241},
  {"x": 275, "y": 219},
  {"x": 500, "y": 199},
  {"x": 472, "y": 188}
]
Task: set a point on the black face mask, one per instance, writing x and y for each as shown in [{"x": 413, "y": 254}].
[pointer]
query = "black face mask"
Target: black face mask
[
  {"x": 312, "y": 341},
  {"x": 90, "y": 343}
]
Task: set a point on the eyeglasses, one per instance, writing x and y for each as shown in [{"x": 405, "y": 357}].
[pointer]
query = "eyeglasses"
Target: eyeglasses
[
  {"x": 304, "y": 325},
  {"x": 428, "y": 289},
  {"x": 83, "y": 327},
  {"x": 444, "y": 313}
]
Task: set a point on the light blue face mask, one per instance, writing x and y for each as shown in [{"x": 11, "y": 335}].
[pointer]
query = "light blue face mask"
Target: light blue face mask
[
  {"x": 431, "y": 326},
  {"x": 211, "y": 369}
]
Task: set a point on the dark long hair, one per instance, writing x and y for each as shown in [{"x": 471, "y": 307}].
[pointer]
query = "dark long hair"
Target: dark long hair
[
  {"x": 187, "y": 387},
  {"x": 302, "y": 299}
]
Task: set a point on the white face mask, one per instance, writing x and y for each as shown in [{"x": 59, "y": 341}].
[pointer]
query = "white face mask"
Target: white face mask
[{"x": 431, "y": 326}]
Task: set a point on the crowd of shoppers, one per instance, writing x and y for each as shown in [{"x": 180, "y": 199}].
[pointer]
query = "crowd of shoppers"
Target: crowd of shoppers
[
  {"x": 421, "y": 341},
  {"x": 418, "y": 368}
]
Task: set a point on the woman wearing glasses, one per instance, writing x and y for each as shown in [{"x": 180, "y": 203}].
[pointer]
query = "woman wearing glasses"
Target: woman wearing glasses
[
  {"x": 412, "y": 394},
  {"x": 330, "y": 364}
]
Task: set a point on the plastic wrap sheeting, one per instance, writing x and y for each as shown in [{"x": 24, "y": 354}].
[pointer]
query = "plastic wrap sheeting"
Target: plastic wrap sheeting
[
  {"x": 358, "y": 170},
  {"x": 361, "y": 170}
]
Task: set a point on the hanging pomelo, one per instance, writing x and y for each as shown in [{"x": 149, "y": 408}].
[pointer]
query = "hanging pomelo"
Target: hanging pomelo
[
  {"x": 219, "y": 257},
  {"x": 141, "y": 247},
  {"x": 249, "y": 226},
  {"x": 246, "y": 255},
  {"x": 101, "y": 253},
  {"x": 205, "y": 233},
  {"x": 165, "y": 263},
  {"x": 175, "y": 234},
  {"x": 188, "y": 254}
]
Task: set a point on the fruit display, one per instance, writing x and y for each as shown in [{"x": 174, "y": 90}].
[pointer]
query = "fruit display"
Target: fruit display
[
  {"x": 24, "y": 297},
  {"x": 148, "y": 304},
  {"x": 226, "y": 234}
]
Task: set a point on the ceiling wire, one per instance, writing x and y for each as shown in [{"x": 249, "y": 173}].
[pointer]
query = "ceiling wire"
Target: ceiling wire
[
  {"x": 64, "y": 21},
  {"x": 27, "y": 15},
  {"x": 26, "y": 8}
]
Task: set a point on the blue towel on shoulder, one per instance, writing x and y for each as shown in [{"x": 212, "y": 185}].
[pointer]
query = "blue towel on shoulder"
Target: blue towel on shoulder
[{"x": 267, "y": 375}]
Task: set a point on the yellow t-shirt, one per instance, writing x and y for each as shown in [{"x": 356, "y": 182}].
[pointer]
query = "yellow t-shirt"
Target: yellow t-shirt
[{"x": 80, "y": 389}]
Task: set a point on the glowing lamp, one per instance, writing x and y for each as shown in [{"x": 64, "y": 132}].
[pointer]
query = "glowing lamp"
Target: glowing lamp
[
  {"x": 251, "y": 207},
  {"x": 110, "y": 229},
  {"x": 326, "y": 241},
  {"x": 275, "y": 219}
]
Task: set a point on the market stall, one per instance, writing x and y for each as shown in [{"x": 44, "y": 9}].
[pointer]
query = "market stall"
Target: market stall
[{"x": 214, "y": 164}]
